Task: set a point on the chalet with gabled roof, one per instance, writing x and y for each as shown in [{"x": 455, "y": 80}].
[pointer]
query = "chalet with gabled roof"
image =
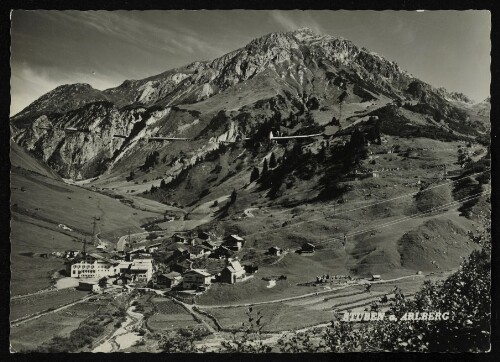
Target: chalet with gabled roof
[
  {"x": 234, "y": 242},
  {"x": 196, "y": 252},
  {"x": 221, "y": 252},
  {"x": 274, "y": 250},
  {"x": 168, "y": 280},
  {"x": 182, "y": 266},
  {"x": 181, "y": 252},
  {"x": 178, "y": 238},
  {"x": 308, "y": 248},
  {"x": 232, "y": 273},
  {"x": 196, "y": 278}
]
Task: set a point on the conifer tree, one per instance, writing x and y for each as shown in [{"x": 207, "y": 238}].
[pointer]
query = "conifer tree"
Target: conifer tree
[
  {"x": 233, "y": 196},
  {"x": 254, "y": 175},
  {"x": 272, "y": 161}
]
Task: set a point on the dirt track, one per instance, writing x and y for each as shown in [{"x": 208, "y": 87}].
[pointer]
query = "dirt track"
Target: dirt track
[{"x": 308, "y": 294}]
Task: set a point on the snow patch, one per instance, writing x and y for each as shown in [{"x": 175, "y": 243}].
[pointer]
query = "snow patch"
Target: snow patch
[
  {"x": 272, "y": 283},
  {"x": 186, "y": 126}
]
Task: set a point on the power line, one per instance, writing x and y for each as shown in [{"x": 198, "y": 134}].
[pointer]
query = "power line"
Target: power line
[
  {"x": 365, "y": 206},
  {"x": 406, "y": 218},
  {"x": 467, "y": 198},
  {"x": 374, "y": 204}
]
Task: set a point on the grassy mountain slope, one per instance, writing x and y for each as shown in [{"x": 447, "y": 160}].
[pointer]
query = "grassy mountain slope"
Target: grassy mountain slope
[{"x": 20, "y": 158}]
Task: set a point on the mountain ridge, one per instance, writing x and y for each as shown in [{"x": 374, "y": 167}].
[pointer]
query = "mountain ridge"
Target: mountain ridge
[
  {"x": 271, "y": 76},
  {"x": 171, "y": 78}
]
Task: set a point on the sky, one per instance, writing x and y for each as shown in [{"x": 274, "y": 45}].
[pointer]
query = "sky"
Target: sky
[{"x": 448, "y": 49}]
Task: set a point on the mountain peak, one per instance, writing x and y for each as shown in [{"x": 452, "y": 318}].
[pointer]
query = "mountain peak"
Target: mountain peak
[
  {"x": 73, "y": 87},
  {"x": 63, "y": 98},
  {"x": 304, "y": 30},
  {"x": 306, "y": 33}
]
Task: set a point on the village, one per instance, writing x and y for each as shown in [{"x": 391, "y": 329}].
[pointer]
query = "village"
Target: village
[{"x": 196, "y": 262}]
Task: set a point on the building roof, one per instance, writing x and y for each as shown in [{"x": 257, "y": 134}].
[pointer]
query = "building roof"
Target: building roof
[
  {"x": 97, "y": 256},
  {"x": 139, "y": 269},
  {"x": 94, "y": 256},
  {"x": 236, "y": 237},
  {"x": 153, "y": 245},
  {"x": 179, "y": 236},
  {"x": 123, "y": 264},
  {"x": 223, "y": 249},
  {"x": 171, "y": 275},
  {"x": 199, "y": 271},
  {"x": 137, "y": 250},
  {"x": 274, "y": 248},
  {"x": 142, "y": 263},
  {"x": 234, "y": 266},
  {"x": 309, "y": 245},
  {"x": 185, "y": 263}
]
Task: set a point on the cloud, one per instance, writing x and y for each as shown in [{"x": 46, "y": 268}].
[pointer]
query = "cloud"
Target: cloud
[
  {"x": 28, "y": 83},
  {"x": 37, "y": 65},
  {"x": 286, "y": 22},
  {"x": 293, "y": 20},
  {"x": 141, "y": 33}
]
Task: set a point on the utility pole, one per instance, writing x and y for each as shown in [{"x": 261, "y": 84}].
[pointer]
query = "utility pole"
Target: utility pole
[
  {"x": 340, "y": 114},
  {"x": 84, "y": 245},
  {"x": 93, "y": 229}
]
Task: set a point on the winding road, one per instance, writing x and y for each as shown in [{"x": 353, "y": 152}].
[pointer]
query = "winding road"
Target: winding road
[{"x": 120, "y": 245}]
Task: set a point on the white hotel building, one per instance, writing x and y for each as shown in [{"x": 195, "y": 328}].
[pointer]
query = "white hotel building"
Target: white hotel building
[{"x": 95, "y": 266}]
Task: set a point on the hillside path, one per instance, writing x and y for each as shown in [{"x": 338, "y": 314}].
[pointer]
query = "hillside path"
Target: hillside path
[
  {"x": 306, "y": 295},
  {"x": 28, "y": 319}
]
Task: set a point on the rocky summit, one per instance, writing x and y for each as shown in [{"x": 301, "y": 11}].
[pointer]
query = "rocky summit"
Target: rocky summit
[{"x": 279, "y": 74}]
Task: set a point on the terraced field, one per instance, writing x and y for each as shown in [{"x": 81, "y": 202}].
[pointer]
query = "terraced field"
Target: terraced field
[
  {"x": 24, "y": 307},
  {"x": 169, "y": 316},
  {"x": 31, "y": 334}
]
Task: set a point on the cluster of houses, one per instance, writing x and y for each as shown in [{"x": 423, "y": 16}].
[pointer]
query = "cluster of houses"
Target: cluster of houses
[
  {"x": 205, "y": 246},
  {"x": 137, "y": 265},
  {"x": 182, "y": 274},
  {"x": 201, "y": 279}
]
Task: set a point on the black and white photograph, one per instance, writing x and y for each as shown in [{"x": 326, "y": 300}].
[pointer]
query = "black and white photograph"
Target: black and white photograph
[{"x": 250, "y": 181}]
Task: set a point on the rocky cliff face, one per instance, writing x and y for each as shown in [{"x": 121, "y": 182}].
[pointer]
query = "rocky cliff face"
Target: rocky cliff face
[
  {"x": 79, "y": 154},
  {"x": 281, "y": 73}
]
